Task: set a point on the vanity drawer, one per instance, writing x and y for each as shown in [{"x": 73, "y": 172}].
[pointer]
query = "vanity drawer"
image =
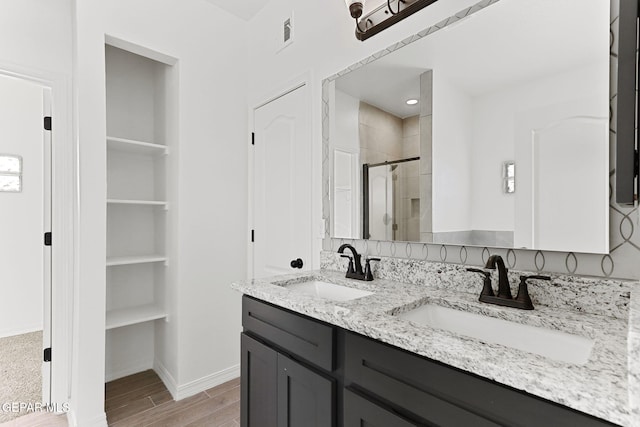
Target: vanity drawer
[
  {"x": 444, "y": 395},
  {"x": 359, "y": 410},
  {"x": 294, "y": 333}
]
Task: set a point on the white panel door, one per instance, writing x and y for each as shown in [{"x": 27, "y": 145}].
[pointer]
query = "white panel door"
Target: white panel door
[
  {"x": 562, "y": 176},
  {"x": 570, "y": 188},
  {"x": 282, "y": 185}
]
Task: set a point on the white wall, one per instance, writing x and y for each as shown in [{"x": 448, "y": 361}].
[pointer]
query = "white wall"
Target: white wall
[
  {"x": 21, "y": 214},
  {"x": 36, "y": 41},
  {"x": 346, "y": 178},
  {"x": 345, "y": 119},
  {"x": 493, "y": 144},
  {"x": 452, "y": 140},
  {"x": 324, "y": 42},
  {"x": 210, "y": 248},
  {"x": 37, "y": 35}
]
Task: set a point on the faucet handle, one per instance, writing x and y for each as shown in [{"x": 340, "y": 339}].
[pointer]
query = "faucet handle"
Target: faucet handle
[
  {"x": 487, "y": 289},
  {"x": 535, "y": 276},
  {"x": 368, "y": 275},
  {"x": 350, "y": 268},
  {"x": 523, "y": 290}
]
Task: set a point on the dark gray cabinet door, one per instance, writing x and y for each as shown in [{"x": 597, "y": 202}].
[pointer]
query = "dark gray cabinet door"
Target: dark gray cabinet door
[
  {"x": 305, "y": 398},
  {"x": 259, "y": 367}
]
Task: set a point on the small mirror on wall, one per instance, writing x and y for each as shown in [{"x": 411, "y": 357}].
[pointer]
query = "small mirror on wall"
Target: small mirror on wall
[{"x": 10, "y": 173}]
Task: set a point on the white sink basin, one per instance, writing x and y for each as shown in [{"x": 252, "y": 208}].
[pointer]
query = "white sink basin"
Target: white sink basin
[
  {"x": 326, "y": 290},
  {"x": 549, "y": 343}
]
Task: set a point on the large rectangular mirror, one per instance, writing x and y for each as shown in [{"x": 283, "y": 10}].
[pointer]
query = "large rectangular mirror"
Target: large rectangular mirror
[{"x": 493, "y": 131}]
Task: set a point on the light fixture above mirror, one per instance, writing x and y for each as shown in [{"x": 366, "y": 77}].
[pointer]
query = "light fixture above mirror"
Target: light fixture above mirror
[{"x": 383, "y": 16}]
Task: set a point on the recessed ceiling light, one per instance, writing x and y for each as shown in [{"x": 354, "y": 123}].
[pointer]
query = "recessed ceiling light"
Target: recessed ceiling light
[{"x": 412, "y": 101}]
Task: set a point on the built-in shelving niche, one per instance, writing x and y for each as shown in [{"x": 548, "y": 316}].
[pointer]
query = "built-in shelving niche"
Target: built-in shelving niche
[{"x": 139, "y": 190}]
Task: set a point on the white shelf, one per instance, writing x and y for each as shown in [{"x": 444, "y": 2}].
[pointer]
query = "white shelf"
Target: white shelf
[
  {"x": 134, "y": 315},
  {"x": 129, "y": 260},
  {"x": 134, "y": 146},
  {"x": 138, "y": 202}
]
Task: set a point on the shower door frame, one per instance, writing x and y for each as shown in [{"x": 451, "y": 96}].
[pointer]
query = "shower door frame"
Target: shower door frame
[{"x": 365, "y": 190}]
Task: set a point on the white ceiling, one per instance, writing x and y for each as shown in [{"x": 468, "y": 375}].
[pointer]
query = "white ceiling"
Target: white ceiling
[
  {"x": 505, "y": 44},
  {"x": 244, "y": 9}
]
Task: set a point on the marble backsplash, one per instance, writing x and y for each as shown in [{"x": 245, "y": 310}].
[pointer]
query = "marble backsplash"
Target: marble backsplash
[
  {"x": 583, "y": 294},
  {"x": 633, "y": 343}
]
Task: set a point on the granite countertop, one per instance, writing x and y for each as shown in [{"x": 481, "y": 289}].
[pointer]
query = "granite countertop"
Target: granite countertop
[{"x": 606, "y": 386}]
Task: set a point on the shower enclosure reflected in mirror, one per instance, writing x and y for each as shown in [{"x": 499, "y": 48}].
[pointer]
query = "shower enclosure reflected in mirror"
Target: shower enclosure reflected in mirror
[
  {"x": 391, "y": 200},
  {"x": 492, "y": 90}
]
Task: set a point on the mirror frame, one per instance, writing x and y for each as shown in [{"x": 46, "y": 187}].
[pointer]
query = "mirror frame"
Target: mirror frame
[
  {"x": 624, "y": 242},
  {"x": 627, "y": 176}
]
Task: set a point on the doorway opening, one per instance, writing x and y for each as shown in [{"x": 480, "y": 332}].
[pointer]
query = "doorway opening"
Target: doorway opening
[{"x": 25, "y": 259}]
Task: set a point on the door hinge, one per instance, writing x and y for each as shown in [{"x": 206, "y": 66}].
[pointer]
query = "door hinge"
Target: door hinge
[
  {"x": 253, "y": 138},
  {"x": 47, "y": 123},
  {"x": 253, "y": 235},
  {"x": 47, "y": 354},
  {"x": 47, "y": 239},
  {"x": 636, "y": 164}
]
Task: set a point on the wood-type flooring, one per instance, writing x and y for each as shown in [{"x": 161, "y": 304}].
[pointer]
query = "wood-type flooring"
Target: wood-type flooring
[{"x": 142, "y": 400}]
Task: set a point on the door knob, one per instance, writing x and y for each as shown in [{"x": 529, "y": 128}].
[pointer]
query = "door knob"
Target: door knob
[{"x": 297, "y": 263}]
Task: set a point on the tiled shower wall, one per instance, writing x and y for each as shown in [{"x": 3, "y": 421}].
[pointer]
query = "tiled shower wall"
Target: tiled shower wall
[
  {"x": 623, "y": 261},
  {"x": 380, "y": 133},
  {"x": 409, "y": 177},
  {"x": 426, "y": 156}
]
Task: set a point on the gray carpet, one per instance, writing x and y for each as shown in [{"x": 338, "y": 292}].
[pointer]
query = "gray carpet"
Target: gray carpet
[{"x": 20, "y": 371}]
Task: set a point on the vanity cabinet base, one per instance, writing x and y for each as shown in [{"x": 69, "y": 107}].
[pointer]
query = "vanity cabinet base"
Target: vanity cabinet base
[{"x": 368, "y": 383}]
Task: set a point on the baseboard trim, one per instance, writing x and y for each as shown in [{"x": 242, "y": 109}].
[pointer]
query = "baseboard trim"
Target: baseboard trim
[
  {"x": 99, "y": 421},
  {"x": 207, "y": 382},
  {"x": 179, "y": 392},
  {"x": 166, "y": 378}
]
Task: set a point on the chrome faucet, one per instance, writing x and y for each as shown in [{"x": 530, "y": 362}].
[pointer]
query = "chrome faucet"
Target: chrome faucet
[{"x": 354, "y": 271}]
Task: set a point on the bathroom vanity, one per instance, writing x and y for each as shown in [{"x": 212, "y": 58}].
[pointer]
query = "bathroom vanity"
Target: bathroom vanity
[
  {"x": 311, "y": 360},
  {"x": 350, "y": 379},
  {"x": 415, "y": 346}
]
